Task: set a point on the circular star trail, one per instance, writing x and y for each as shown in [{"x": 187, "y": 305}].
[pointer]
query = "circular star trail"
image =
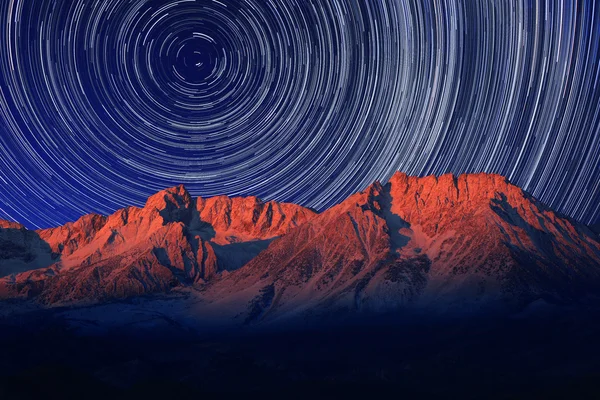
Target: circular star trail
[{"x": 105, "y": 102}]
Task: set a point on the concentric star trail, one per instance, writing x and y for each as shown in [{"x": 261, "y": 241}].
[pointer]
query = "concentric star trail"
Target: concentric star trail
[{"x": 105, "y": 102}]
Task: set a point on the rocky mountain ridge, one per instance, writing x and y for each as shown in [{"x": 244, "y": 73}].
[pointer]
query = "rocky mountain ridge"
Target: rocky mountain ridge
[
  {"x": 173, "y": 240},
  {"x": 469, "y": 242}
]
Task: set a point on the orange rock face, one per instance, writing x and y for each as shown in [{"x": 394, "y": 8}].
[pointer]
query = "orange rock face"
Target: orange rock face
[
  {"x": 471, "y": 240},
  {"x": 10, "y": 225},
  {"x": 174, "y": 240},
  {"x": 475, "y": 241}
]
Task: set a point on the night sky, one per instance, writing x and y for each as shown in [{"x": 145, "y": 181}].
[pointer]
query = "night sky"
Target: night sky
[{"x": 105, "y": 102}]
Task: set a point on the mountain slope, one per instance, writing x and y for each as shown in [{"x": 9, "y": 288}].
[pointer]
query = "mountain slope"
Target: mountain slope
[
  {"x": 471, "y": 242},
  {"x": 461, "y": 244},
  {"x": 173, "y": 240},
  {"x": 22, "y": 250}
]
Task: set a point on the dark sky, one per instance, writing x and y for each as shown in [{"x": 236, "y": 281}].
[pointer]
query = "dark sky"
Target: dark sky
[{"x": 104, "y": 102}]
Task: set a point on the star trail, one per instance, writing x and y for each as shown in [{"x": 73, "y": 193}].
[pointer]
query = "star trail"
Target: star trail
[{"x": 104, "y": 102}]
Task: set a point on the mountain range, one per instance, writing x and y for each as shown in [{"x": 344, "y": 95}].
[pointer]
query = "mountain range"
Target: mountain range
[{"x": 470, "y": 243}]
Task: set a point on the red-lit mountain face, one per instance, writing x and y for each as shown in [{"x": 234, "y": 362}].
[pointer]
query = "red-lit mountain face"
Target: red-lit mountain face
[
  {"x": 468, "y": 242},
  {"x": 174, "y": 240}
]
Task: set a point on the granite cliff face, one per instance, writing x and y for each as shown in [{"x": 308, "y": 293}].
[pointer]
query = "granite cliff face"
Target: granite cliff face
[
  {"x": 472, "y": 242},
  {"x": 173, "y": 240},
  {"x": 469, "y": 243}
]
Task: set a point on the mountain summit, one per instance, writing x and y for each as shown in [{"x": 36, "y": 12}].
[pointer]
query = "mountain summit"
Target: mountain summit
[
  {"x": 173, "y": 240},
  {"x": 470, "y": 242}
]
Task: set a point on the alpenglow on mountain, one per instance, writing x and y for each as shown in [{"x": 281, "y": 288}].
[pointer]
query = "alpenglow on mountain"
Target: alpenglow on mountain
[{"x": 473, "y": 242}]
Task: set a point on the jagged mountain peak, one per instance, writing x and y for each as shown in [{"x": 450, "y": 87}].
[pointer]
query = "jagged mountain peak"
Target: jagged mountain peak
[
  {"x": 456, "y": 188},
  {"x": 172, "y": 204},
  {"x": 173, "y": 240},
  {"x": 470, "y": 240},
  {"x": 87, "y": 223},
  {"x": 413, "y": 240},
  {"x": 409, "y": 196},
  {"x": 4, "y": 224},
  {"x": 177, "y": 196}
]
